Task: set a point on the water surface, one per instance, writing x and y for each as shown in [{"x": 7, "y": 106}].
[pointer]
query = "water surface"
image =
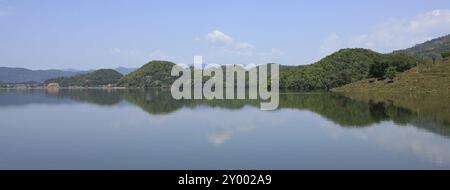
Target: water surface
[{"x": 133, "y": 129}]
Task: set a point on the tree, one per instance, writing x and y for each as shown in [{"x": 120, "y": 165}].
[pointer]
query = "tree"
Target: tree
[
  {"x": 378, "y": 69},
  {"x": 390, "y": 73},
  {"x": 445, "y": 54},
  {"x": 402, "y": 61}
]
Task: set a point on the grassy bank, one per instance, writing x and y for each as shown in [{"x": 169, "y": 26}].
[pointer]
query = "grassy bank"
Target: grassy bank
[{"x": 427, "y": 78}]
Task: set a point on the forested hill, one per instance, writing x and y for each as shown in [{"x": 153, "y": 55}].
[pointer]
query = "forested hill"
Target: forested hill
[
  {"x": 343, "y": 67},
  {"x": 152, "y": 74},
  {"x": 431, "y": 78},
  {"x": 97, "y": 78}
]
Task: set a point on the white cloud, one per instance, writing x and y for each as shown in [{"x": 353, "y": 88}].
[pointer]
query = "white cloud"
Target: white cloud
[
  {"x": 244, "y": 46},
  {"x": 116, "y": 51},
  {"x": 226, "y": 50},
  {"x": 399, "y": 34},
  {"x": 217, "y": 37}
]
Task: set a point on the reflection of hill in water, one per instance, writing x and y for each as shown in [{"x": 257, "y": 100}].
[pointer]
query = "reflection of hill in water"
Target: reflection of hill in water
[
  {"x": 95, "y": 96},
  {"x": 428, "y": 111},
  {"x": 161, "y": 102},
  {"x": 347, "y": 111},
  {"x": 24, "y": 97}
]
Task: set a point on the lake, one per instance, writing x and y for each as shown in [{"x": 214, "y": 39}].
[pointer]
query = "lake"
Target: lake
[{"x": 137, "y": 129}]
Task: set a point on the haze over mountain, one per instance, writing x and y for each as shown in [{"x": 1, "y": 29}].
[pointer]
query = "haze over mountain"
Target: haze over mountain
[
  {"x": 20, "y": 75},
  {"x": 429, "y": 49},
  {"x": 17, "y": 75}
]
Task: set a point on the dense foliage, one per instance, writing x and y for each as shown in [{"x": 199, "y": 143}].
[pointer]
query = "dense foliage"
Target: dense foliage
[
  {"x": 97, "y": 78},
  {"x": 342, "y": 67},
  {"x": 152, "y": 74},
  {"x": 400, "y": 61},
  {"x": 445, "y": 54},
  {"x": 390, "y": 73}
]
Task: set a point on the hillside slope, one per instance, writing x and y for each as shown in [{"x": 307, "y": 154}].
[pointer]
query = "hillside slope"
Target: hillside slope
[
  {"x": 97, "y": 78},
  {"x": 152, "y": 74},
  {"x": 425, "y": 78},
  {"x": 340, "y": 68},
  {"x": 430, "y": 49}
]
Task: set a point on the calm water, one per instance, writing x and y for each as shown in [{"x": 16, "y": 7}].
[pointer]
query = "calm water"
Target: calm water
[{"x": 95, "y": 129}]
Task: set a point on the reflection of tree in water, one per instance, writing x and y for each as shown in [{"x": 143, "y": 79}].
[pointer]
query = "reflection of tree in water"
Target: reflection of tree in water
[
  {"x": 337, "y": 108},
  {"x": 161, "y": 102},
  {"x": 425, "y": 111},
  {"x": 334, "y": 107},
  {"x": 342, "y": 110},
  {"x": 153, "y": 101},
  {"x": 378, "y": 111},
  {"x": 96, "y": 96}
]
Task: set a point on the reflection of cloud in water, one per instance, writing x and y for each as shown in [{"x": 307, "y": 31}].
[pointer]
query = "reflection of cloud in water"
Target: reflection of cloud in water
[
  {"x": 220, "y": 137},
  {"x": 421, "y": 144},
  {"x": 225, "y": 131},
  {"x": 218, "y": 131}
]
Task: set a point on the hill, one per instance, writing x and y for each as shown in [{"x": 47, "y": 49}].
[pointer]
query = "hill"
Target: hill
[
  {"x": 152, "y": 74},
  {"x": 430, "y": 49},
  {"x": 97, "y": 78},
  {"x": 125, "y": 70},
  {"x": 20, "y": 75},
  {"x": 340, "y": 68},
  {"x": 425, "y": 78}
]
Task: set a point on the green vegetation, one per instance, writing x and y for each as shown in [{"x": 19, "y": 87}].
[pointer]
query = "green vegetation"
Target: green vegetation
[
  {"x": 343, "y": 67},
  {"x": 97, "y": 78},
  {"x": 424, "y": 78},
  {"x": 390, "y": 73},
  {"x": 400, "y": 61},
  {"x": 445, "y": 54},
  {"x": 152, "y": 74}
]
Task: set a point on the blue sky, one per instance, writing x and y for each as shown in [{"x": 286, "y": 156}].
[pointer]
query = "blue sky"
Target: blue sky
[{"x": 95, "y": 34}]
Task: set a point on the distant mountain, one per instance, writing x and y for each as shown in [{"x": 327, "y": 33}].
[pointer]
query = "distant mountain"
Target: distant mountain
[
  {"x": 19, "y": 75},
  {"x": 97, "y": 78},
  {"x": 430, "y": 49},
  {"x": 125, "y": 70}
]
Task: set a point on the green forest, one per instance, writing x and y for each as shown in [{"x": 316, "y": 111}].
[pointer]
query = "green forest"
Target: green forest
[
  {"x": 338, "y": 69},
  {"x": 97, "y": 78}
]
